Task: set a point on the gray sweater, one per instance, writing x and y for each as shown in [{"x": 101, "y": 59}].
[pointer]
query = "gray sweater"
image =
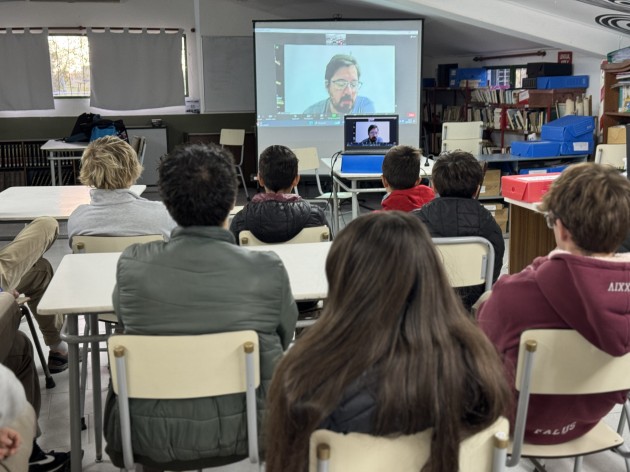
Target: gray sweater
[{"x": 119, "y": 213}]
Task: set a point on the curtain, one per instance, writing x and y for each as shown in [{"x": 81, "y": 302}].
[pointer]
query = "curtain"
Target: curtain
[
  {"x": 131, "y": 71},
  {"x": 25, "y": 79}
]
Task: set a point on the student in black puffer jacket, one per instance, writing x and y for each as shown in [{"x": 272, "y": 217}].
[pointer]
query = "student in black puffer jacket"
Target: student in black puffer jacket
[
  {"x": 457, "y": 178},
  {"x": 277, "y": 215}
]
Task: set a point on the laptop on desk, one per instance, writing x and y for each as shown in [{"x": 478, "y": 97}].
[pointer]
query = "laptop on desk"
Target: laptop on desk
[{"x": 367, "y": 138}]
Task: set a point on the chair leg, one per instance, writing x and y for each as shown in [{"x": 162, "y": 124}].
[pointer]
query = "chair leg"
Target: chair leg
[
  {"x": 26, "y": 312},
  {"x": 538, "y": 466},
  {"x": 84, "y": 362},
  {"x": 240, "y": 171},
  {"x": 577, "y": 463}
]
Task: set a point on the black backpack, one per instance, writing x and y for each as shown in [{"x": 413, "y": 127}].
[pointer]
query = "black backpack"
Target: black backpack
[{"x": 82, "y": 128}]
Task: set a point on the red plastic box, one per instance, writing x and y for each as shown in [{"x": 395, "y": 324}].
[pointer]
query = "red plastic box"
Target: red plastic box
[{"x": 527, "y": 188}]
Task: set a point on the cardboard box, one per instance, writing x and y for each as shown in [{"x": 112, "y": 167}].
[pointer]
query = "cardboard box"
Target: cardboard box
[
  {"x": 501, "y": 217},
  {"x": 527, "y": 188},
  {"x": 491, "y": 186},
  {"x": 549, "y": 98},
  {"x": 616, "y": 135},
  {"x": 535, "y": 148},
  {"x": 569, "y": 128},
  {"x": 362, "y": 163},
  {"x": 471, "y": 77},
  {"x": 568, "y": 81},
  {"x": 500, "y": 214}
]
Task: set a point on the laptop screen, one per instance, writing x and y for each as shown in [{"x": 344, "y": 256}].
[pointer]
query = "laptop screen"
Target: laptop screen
[{"x": 370, "y": 133}]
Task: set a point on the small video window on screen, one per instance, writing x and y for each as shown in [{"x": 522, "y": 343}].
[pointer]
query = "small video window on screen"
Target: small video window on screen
[{"x": 374, "y": 132}]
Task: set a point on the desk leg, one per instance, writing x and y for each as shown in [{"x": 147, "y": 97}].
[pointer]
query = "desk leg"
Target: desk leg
[
  {"x": 355, "y": 199},
  {"x": 529, "y": 237},
  {"x": 96, "y": 389},
  {"x": 52, "y": 168},
  {"x": 75, "y": 414},
  {"x": 59, "y": 173}
]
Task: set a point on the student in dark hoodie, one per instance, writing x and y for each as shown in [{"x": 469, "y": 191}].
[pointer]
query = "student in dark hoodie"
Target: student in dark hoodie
[
  {"x": 580, "y": 285},
  {"x": 277, "y": 215},
  {"x": 401, "y": 176}
]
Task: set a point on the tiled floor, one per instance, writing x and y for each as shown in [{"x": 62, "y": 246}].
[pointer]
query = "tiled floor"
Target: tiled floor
[{"x": 54, "y": 416}]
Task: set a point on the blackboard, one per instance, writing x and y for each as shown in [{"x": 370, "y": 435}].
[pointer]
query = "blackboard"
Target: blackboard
[{"x": 228, "y": 73}]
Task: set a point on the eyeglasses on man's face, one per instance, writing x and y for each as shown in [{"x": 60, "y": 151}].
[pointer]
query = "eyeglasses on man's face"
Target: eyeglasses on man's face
[{"x": 341, "y": 84}]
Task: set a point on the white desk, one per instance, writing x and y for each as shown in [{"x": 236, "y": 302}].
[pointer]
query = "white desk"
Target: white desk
[
  {"x": 69, "y": 150},
  {"x": 84, "y": 283},
  {"x": 28, "y": 203},
  {"x": 355, "y": 190}
]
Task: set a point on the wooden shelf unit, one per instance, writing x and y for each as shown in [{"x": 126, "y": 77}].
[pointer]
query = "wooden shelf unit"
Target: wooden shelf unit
[
  {"x": 22, "y": 162},
  {"x": 609, "y": 105}
]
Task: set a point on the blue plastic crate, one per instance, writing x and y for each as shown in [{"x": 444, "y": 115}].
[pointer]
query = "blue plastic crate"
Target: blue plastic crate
[
  {"x": 543, "y": 170},
  {"x": 573, "y": 148},
  {"x": 569, "y": 128},
  {"x": 535, "y": 148},
  {"x": 563, "y": 81}
]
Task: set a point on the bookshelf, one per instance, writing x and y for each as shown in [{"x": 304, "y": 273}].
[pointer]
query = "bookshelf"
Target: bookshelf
[
  {"x": 24, "y": 163},
  {"x": 612, "y": 79},
  {"x": 441, "y": 104}
]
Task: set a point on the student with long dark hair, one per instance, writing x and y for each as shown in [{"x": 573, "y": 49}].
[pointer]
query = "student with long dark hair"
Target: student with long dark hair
[{"x": 393, "y": 352}]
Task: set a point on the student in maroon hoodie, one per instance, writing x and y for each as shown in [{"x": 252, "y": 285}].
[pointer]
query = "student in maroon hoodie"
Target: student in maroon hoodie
[
  {"x": 581, "y": 285},
  {"x": 401, "y": 176}
]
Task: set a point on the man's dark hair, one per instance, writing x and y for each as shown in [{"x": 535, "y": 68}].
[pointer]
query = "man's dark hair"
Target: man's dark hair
[
  {"x": 371, "y": 127},
  {"x": 337, "y": 62},
  {"x": 278, "y": 166},
  {"x": 401, "y": 167},
  {"x": 457, "y": 174},
  {"x": 198, "y": 184}
]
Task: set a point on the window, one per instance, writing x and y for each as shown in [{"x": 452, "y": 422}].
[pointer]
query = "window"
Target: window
[{"x": 70, "y": 65}]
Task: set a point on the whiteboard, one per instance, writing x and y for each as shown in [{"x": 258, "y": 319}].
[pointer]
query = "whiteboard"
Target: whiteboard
[{"x": 228, "y": 73}]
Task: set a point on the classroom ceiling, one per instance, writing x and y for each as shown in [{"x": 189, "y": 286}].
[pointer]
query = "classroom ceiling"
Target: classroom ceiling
[{"x": 472, "y": 27}]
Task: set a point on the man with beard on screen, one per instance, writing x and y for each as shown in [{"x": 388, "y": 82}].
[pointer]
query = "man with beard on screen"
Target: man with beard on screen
[{"x": 342, "y": 81}]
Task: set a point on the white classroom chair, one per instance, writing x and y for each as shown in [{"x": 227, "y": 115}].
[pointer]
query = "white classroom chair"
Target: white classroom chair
[
  {"x": 316, "y": 234},
  {"x": 355, "y": 452},
  {"x": 168, "y": 367},
  {"x": 308, "y": 160},
  {"x": 468, "y": 260},
  {"x": 562, "y": 362},
  {"x": 235, "y": 138},
  {"x": 611, "y": 154}
]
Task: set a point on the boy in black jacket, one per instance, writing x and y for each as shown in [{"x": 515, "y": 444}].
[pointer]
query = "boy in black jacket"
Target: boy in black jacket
[
  {"x": 457, "y": 178},
  {"x": 277, "y": 215}
]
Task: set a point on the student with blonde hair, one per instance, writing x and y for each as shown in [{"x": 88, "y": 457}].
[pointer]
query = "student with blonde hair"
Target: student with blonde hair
[
  {"x": 393, "y": 352},
  {"x": 111, "y": 167}
]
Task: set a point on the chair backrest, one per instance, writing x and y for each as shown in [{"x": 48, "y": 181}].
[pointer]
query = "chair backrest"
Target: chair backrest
[
  {"x": 468, "y": 260},
  {"x": 562, "y": 362},
  {"x": 460, "y": 130},
  {"x": 611, "y": 154},
  {"x": 356, "y": 452},
  {"x": 135, "y": 143},
  {"x": 472, "y": 145},
  {"x": 167, "y": 367},
  {"x": 142, "y": 149},
  {"x": 566, "y": 363},
  {"x": 232, "y": 137},
  {"x": 316, "y": 234},
  {"x": 92, "y": 244},
  {"x": 308, "y": 160}
]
